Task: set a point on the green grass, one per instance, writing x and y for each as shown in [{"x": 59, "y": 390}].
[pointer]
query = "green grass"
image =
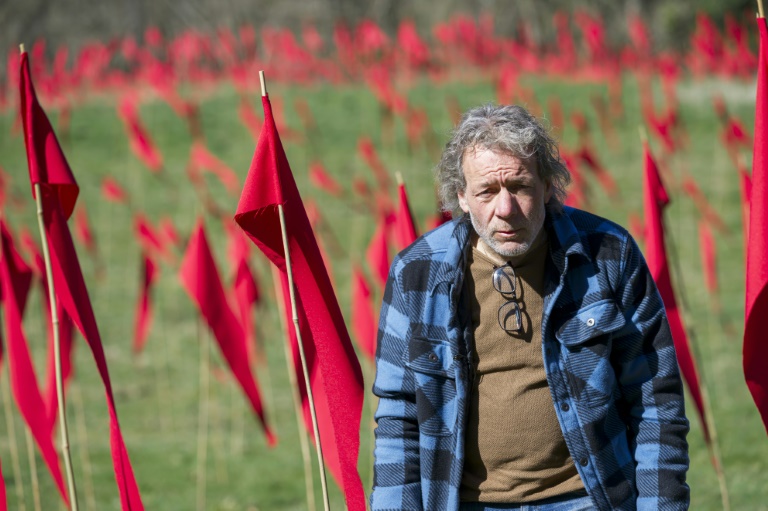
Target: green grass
[{"x": 158, "y": 394}]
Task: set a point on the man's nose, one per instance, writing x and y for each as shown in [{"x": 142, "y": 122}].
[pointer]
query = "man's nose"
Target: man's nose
[{"x": 506, "y": 204}]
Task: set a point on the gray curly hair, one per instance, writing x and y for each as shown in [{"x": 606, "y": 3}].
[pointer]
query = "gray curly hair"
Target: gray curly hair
[{"x": 509, "y": 128}]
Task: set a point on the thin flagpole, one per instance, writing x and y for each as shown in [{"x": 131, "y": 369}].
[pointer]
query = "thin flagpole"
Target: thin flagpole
[
  {"x": 713, "y": 445},
  {"x": 295, "y": 317},
  {"x": 308, "y": 480},
  {"x": 82, "y": 438},
  {"x": 57, "y": 353},
  {"x": 33, "y": 469}
]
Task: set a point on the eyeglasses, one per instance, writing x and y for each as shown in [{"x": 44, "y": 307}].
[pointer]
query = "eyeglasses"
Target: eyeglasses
[{"x": 505, "y": 282}]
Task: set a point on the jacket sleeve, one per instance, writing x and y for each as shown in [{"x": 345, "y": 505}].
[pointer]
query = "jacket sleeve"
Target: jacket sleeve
[
  {"x": 396, "y": 479},
  {"x": 648, "y": 375}
]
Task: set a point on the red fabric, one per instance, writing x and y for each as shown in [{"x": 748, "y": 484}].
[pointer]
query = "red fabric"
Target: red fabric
[
  {"x": 756, "y": 312},
  {"x": 200, "y": 278},
  {"x": 655, "y": 199},
  {"x": 143, "y": 316},
  {"x": 335, "y": 375},
  {"x": 708, "y": 256},
  {"x": 202, "y": 158},
  {"x": 3, "y": 503},
  {"x": 83, "y": 231},
  {"x": 112, "y": 191},
  {"x": 702, "y": 204},
  {"x": 141, "y": 143},
  {"x": 247, "y": 295},
  {"x": 587, "y": 156},
  {"x": 48, "y": 167},
  {"x": 368, "y": 152},
  {"x": 319, "y": 177},
  {"x": 745, "y": 187},
  {"x": 377, "y": 253},
  {"x": 249, "y": 118},
  {"x": 15, "y": 279},
  {"x": 66, "y": 345},
  {"x": 405, "y": 227},
  {"x": 149, "y": 239},
  {"x": 363, "y": 319},
  {"x": 47, "y": 164}
]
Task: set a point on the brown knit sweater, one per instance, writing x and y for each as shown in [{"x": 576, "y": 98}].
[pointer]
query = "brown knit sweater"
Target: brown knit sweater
[{"x": 515, "y": 451}]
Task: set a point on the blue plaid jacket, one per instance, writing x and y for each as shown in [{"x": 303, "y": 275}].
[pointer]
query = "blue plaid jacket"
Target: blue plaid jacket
[{"x": 608, "y": 354}]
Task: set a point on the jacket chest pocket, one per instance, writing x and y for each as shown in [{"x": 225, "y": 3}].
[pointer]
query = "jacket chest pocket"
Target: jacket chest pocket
[
  {"x": 587, "y": 338},
  {"x": 432, "y": 364}
]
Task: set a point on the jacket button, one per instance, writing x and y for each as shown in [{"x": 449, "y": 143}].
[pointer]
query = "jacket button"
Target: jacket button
[
  {"x": 433, "y": 357},
  {"x": 584, "y": 462},
  {"x": 564, "y": 407},
  {"x": 591, "y": 322}
]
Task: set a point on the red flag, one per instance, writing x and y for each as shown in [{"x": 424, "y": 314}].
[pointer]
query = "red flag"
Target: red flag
[
  {"x": 143, "y": 317},
  {"x": 249, "y": 117},
  {"x": 336, "y": 377},
  {"x": 200, "y": 278},
  {"x": 655, "y": 199},
  {"x": 149, "y": 239},
  {"x": 702, "y": 204},
  {"x": 588, "y": 157},
  {"x": 363, "y": 319},
  {"x": 49, "y": 169},
  {"x": 377, "y": 253},
  {"x": 745, "y": 187},
  {"x": 247, "y": 295},
  {"x": 204, "y": 159},
  {"x": 405, "y": 227},
  {"x": 3, "y": 503},
  {"x": 15, "y": 279},
  {"x": 319, "y": 177},
  {"x": 83, "y": 231},
  {"x": 368, "y": 152},
  {"x": 708, "y": 256},
  {"x": 112, "y": 191},
  {"x": 141, "y": 143},
  {"x": 756, "y": 312}
]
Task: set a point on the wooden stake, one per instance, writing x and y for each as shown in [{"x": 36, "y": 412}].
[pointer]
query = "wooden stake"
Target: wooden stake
[
  {"x": 57, "y": 353},
  {"x": 202, "y": 420},
  {"x": 760, "y": 11},
  {"x": 33, "y": 469},
  {"x": 11, "y": 428},
  {"x": 308, "y": 480},
  {"x": 300, "y": 342}
]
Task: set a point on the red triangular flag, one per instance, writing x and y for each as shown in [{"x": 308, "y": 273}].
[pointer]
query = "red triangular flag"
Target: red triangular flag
[
  {"x": 200, "y": 278},
  {"x": 655, "y": 199},
  {"x": 363, "y": 322},
  {"x": 140, "y": 141},
  {"x": 337, "y": 380},
  {"x": 708, "y": 257},
  {"x": 377, "y": 253},
  {"x": 15, "y": 279},
  {"x": 756, "y": 310},
  {"x": 143, "y": 317},
  {"x": 49, "y": 169},
  {"x": 405, "y": 227},
  {"x": 319, "y": 177},
  {"x": 247, "y": 295}
]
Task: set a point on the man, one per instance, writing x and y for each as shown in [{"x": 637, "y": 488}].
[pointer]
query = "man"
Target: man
[{"x": 524, "y": 357}]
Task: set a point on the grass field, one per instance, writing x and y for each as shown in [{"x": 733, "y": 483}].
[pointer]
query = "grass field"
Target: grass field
[{"x": 158, "y": 393}]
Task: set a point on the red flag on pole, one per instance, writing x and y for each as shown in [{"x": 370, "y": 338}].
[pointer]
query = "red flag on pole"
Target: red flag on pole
[
  {"x": 200, "y": 278},
  {"x": 363, "y": 319},
  {"x": 708, "y": 256},
  {"x": 337, "y": 380},
  {"x": 655, "y": 199},
  {"x": 15, "y": 279},
  {"x": 49, "y": 169},
  {"x": 377, "y": 253},
  {"x": 141, "y": 144},
  {"x": 143, "y": 317},
  {"x": 405, "y": 227},
  {"x": 755, "y": 350}
]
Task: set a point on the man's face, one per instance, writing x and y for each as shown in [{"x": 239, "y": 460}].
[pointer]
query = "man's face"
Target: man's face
[{"x": 505, "y": 199}]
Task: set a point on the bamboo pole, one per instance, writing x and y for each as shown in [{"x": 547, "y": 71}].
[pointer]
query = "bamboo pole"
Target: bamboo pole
[
  {"x": 300, "y": 342},
  {"x": 57, "y": 353},
  {"x": 11, "y": 428},
  {"x": 32, "y": 469},
  {"x": 308, "y": 480},
  {"x": 202, "y": 422},
  {"x": 713, "y": 445}
]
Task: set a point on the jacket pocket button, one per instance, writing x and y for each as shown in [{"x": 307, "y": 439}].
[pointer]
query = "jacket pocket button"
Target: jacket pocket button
[
  {"x": 564, "y": 407},
  {"x": 433, "y": 357},
  {"x": 584, "y": 462},
  {"x": 591, "y": 322}
]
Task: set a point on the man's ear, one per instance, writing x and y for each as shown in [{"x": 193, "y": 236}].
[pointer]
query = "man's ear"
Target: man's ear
[
  {"x": 550, "y": 191},
  {"x": 463, "y": 201}
]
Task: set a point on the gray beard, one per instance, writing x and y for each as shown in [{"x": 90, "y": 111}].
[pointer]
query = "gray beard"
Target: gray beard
[{"x": 520, "y": 249}]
